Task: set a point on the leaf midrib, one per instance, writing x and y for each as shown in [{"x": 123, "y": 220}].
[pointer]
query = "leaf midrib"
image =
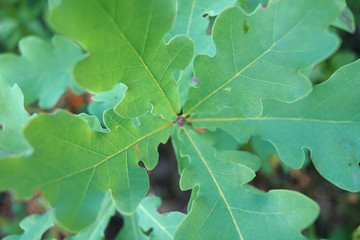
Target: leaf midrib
[
  {"x": 106, "y": 157},
  {"x": 294, "y": 119},
  {"x": 155, "y": 220},
  {"x": 203, "y": 160},
  {"x": 122, "y": 35},
  {"x": 248, "y": 66}
]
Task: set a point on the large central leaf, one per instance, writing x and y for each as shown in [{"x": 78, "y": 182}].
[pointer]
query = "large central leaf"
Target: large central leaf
[
  {"x": 327, "y": 122},
  {"x": 260, "y": 55},
  {"x": 223, "y": 203},
  {"x": 74, "y": 166},
  {"x": 125, "y": 41}
]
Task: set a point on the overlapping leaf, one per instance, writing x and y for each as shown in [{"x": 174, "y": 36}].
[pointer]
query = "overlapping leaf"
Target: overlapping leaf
[
  {"x": 260, "y": 55},
  {"x": 34, "y": 227},
  {"x": 250, "y": 5},
  {"x": 76, "y": 162},
  {"x": 222, "y": 203},
  {"x": 195, "y": 19},
  {"x": 96, "y": 230},
  {"x": 106, "y": 100},
  {"x": 74, "y": 166},
  {"x": 131, "y": 230},
  {"x": 345, "y": 21},
  {"x": 13, "y": 119},
  {"x": 43, "y": 71},
  {"x": 192, "y": 19},
  {"x": 327, "y": 122},
  {"x": 125, "y": 41},
  {"x": 146, "y": 219}
]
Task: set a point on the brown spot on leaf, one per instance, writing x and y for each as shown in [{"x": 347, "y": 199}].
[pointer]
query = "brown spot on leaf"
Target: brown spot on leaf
[
  {"x": 202, "y": 130},
  {"x": 136, "y": 148}
]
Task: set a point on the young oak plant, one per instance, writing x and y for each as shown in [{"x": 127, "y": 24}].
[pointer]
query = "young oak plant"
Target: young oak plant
[{"x": 256, "y": 84}]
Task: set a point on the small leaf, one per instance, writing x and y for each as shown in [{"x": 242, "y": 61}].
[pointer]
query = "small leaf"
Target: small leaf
[
  {"x": 148, "y": 222},
  {"x": 13, "y": 119},
  {"x": 327, "y": 122},
  {"x": 43, "y": 71},
  {"x": 264, "y": 60},
  {"x": 125, "y": 41},
  {"x": 34, "y": 227},
  {"x": 224, "y": 209},
  {"x": 75, "y": 166}
]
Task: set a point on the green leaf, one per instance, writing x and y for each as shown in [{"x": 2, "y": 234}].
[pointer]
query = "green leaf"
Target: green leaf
[
  {"x": 106, "y": 100},
  {"x": 241, "y": 157},
  {"x": 96, "y": 230},
  {"x": 13, "y": 119},
  {"x": 195, "y": 19},
  {"x": 326, "y": 122},
  {"x": 147, "y": 220},
  {"x": 259, "y": 55},
  {"x": 250, "y": 5},
  {"x": 113, "y": 96},
  {"x": 75, "y": 166},
  {"x": 131, "y": 229},
  {"x": 125, "y": 41},
  {"x": 345, "y": 21},
  {"x": 356, "y": 233},
  {"x": 43, "y": 71},
  {"x": 227, "y": 149},
  {"x": 268, "y": 154},
  {"x": 98, "y": 108},
  {"x": 34, "y": 227},
  {"x": 163, "y": 225},
  {"x": 224, "y": 209}
]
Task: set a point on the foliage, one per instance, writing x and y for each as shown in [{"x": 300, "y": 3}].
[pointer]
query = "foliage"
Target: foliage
[
  {"x": 44, "y": 69},
  {"x": 34, "y": 226},
  {"x": 207, "y": 74},
  {"x": 20, "y": 18},
  {"x": 13, "y": 119}
]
